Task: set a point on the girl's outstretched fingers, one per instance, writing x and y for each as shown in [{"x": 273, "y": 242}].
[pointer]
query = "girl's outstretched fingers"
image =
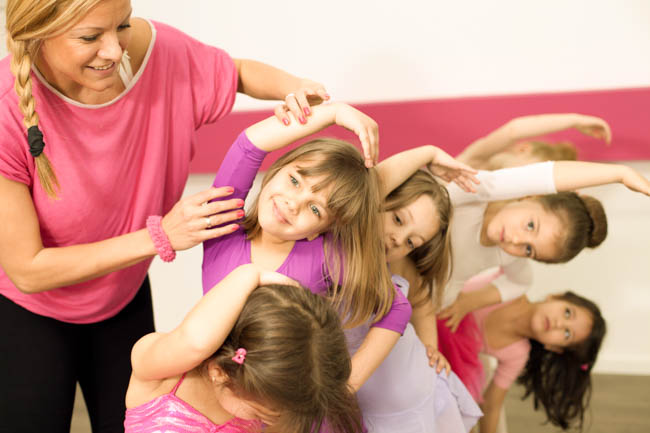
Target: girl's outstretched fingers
[{"x": 635, "y": 181}]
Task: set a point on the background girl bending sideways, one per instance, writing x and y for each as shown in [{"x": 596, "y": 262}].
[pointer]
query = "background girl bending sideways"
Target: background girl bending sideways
[{"x": 550, "y": 347}]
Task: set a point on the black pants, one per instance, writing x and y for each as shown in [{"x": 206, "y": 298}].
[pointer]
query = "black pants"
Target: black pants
[{"x": 42, "y": 359}]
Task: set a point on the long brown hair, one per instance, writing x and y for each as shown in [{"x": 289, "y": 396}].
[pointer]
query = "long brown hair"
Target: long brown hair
[
  {"x": 353, "y": 244},
  {"x": 29, "y": 22},
  {"x": 584, "y": 218},
  {"x": 296, "y": 360},
  {"x": 561, "y": 382},
  {"x": 432, "y": 259}
]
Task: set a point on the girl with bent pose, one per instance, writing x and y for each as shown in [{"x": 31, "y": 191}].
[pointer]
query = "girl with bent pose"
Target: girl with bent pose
[{"x": 252, "y": 350}]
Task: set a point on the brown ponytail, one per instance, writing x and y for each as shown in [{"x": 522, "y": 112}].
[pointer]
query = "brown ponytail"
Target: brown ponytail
[{"x": 584, "y": 218}]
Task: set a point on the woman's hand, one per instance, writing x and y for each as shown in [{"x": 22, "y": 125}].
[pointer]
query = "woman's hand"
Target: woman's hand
[
  {"x": 366, "y": 129},
  {"x": 190, "y": 220},
  {"x": 438, "y": 359},
  {"x": 456, "y": 311},
  {"x": 298, "y": 102},
  {"x": 594, "y": 127},
  {"x": 449, "y": 169}
]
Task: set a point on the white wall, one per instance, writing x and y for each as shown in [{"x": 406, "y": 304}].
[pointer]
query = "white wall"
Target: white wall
[{"x": 373, "y": 50}]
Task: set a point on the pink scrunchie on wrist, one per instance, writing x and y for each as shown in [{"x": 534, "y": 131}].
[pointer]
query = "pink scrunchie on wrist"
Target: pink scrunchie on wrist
[{"x": 160, "y": 239}]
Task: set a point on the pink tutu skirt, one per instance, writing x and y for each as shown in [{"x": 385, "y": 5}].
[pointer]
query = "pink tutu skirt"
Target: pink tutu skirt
[{"x": 461, "y": 348}]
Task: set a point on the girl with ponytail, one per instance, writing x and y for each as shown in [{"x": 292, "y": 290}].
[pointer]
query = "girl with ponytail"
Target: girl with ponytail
[{"x": 88, "y": 198}]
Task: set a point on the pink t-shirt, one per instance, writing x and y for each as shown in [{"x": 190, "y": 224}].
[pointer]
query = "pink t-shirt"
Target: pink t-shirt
[{"x": 117, "y": 162}]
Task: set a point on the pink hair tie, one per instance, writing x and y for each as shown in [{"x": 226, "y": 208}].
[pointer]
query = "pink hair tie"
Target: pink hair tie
[
  {"x": 584, "y": 367},
  {"x": 160, "y": 239},
  {"x": 240, "y": 356}
]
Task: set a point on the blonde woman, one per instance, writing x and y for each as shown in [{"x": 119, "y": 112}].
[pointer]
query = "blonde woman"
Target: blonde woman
[{"x": 117, "y": 100}]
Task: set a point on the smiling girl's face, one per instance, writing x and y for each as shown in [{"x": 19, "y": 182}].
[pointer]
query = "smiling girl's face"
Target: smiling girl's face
[
  {"x": 82, "y": 63},
  {"x": 288, "y": 207},
  {"x": 524, "y": 228}
]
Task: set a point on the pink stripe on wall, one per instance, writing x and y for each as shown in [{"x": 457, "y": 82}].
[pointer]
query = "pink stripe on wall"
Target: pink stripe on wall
[{"x": 453, "y": 123}]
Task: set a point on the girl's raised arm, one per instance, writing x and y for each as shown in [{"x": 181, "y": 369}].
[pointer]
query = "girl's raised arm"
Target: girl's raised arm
[
  {"x": 524, "y": 127},
  {"x": 158, "y": 356},
  {"x": 269, "y": 134},
  {"x": 394, "y": 170},
  {"x": 570, "y": 175}
]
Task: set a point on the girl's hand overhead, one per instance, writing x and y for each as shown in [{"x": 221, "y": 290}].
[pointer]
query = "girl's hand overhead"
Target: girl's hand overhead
[
  {"x": 449, "y": 169},
  {"x": 594, "y": 127},
  {"x": 365, "y": 127},
  {"x": 635, "y": 181}
]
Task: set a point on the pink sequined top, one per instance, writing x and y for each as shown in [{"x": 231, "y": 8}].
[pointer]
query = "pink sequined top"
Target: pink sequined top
[{"x": 170, "y": 414}]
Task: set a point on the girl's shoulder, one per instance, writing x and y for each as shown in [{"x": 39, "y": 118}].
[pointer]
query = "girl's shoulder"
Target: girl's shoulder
[{"x": 140, "y": 391}]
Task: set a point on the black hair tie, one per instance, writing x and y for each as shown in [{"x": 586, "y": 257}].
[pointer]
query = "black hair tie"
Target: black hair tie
[{"x": 35, "y": 140}]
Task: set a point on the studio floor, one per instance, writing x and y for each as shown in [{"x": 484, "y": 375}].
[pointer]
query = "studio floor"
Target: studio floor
[{"x": 620, "y": 404}]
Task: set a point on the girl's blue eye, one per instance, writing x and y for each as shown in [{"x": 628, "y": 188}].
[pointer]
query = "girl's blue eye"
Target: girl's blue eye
[
  {"x": 567, "y": 334},
  {"x": 315, "y": 210},
  {"x": 529, "y": 251},
  {"x": 294, "y": 181},
  {"x": 567, "y": 313},
  {"x": 398, "y": 220},
  {"x": 531, "y": 226},
  {"x": 410, "y": 244}
]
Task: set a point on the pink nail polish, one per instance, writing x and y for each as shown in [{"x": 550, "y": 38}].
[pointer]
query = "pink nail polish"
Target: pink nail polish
[
  {"x": 230, "y": 189},
  {"x": 307, "y": 111},
  {"x": 234, "y": 227},
  {"x": 240, "y": 203},
  {"x": 240, "y": 214},
  {"x": 285, "y": 121},
  {"x": 301, "y": 119}
]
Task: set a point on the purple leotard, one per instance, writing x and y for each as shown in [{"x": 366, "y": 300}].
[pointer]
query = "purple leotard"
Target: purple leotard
[{"x": 306, "y": 261}]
